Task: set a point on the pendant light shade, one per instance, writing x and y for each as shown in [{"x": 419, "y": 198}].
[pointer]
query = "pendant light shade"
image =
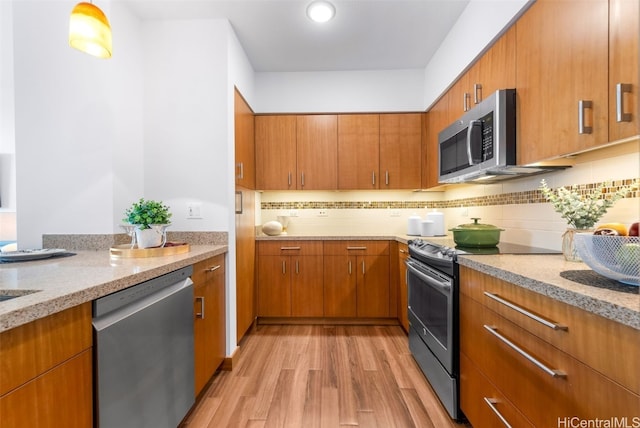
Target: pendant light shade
[{"x": 89, "y": 30}]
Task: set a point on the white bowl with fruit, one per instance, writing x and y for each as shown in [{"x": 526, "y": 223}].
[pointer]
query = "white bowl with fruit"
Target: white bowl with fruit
[{"x": 612, "y": 251}]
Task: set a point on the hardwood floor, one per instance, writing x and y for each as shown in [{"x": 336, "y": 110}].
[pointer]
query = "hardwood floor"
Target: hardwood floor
[{"x": 321, "y": 376}]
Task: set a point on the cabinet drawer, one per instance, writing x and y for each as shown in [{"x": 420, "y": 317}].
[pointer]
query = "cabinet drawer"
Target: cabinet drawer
[
  {"x": 482, "y": 403},
  {"x": 609, "y": 347},
  {"x": 356, "y": 248},
  {"x": 562, "y": 385},
  {"x": 31, "y": 349},
  {"x": 289, "y": 248}
]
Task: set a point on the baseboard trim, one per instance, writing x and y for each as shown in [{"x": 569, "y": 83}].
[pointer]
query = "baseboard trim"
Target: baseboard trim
[{"x": 327, "y": 321}]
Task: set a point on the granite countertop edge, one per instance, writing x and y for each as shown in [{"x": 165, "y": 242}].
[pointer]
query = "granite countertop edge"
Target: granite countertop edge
[{"x": 32, "y": 306}]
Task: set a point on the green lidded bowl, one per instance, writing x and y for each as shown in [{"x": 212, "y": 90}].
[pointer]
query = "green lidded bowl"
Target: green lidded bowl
[{"x": 476, "y": 234}]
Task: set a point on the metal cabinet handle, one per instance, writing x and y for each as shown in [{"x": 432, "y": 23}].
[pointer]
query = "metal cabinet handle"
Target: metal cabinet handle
[
  {"x": 201, "y": 313},
  {"x": 491, "y": 402},
  {"x": 363, "y": 268},
  {"x": 386, "y": 178},
  {"x": 582, "y": 106},
  {"x": 525, "y": 354},
  {"x": 356, "y": 248},
  {"x": 402, "y": 251},
  {"x": 523, "y": 311},
  {"x": 621, "y": 116},
  {"x": 465, "y": 101},
  {"x": 302, "y": 179},
  {"x": 284, "y": 267},
  {"x": 289, "y": 179},
  {"x": 297, "y": 267},
  {"x": 477, "y": 89},
  {"x": 240, "y": 168},
  {"x": 212, "y": 268},
  {"x": 289, "y": 248},
  {"x": 349, "y": 267},
  {"x": 373, "y": 178}
]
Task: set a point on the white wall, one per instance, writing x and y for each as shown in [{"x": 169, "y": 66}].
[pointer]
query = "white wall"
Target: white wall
[
  {"x": 78, "y": 123},
  {"x": 7, "y": 129}
]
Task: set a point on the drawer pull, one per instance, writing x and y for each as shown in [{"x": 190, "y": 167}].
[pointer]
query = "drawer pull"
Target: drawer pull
[
  {"x": 212, "y": 268},
  {"x": 491, "y": 402},
  {"x": 520, "y": 310},
  {"x": 356, "y": 248},
  {"x": 289, "y": 248},
  {"x": 510, "y": 344},
  {"x": 201, "y": 313}
]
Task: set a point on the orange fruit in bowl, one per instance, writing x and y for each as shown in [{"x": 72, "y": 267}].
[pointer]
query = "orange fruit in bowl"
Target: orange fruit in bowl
[{"x": 611, "y": 229}]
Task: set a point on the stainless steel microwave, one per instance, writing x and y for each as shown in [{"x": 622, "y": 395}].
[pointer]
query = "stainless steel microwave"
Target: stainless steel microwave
[{"x": 482, "y": 143}]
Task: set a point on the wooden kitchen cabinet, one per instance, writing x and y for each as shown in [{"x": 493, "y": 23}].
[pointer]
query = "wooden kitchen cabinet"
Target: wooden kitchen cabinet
[
  {"x": 290, "y": 279},
  {"x": 436, "y": 119},
  {"x": 317, "y": 152},
  {"x": 561, "y": 60},
  {"x": 403, "y": 287},
  {"x": 245, "y": 153},
  {"x": 358, "y": 151},
  {"x": 589, "y": 360},
  {"x": 624, "y": 45},
  {"x": 210, "y": 321},
  {"x": 276, "y": 152},
  {"x": 47, "y": 368},
  {"x": 356, "y": 279},
  {"x": 400, "y": 151}
]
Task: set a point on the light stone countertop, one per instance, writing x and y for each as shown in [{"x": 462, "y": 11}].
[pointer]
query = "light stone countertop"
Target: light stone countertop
[{"x": 64, "y": 282}]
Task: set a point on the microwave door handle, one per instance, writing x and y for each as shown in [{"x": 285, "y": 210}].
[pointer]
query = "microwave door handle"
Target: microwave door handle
[{"x": 474, "y": 142}]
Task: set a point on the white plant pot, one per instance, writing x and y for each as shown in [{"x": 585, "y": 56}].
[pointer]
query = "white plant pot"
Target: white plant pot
[{"x": 149, "y": 238}]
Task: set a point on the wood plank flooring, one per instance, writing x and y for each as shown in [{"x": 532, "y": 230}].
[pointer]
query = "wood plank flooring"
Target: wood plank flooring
[{"x": 321, "y": 376}]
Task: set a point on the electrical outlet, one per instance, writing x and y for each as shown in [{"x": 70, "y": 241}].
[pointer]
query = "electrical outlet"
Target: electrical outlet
[
  {"x": 464, "y": 212},
  {"x": 194, "y": 211},
  {"x": 293, "y": 213},
  {"x": 395, "y": 213},
  {"x": 323, "y": 213}
]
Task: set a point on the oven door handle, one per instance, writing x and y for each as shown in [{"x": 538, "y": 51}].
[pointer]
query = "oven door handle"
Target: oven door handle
[{"x": 444, "y": 287}]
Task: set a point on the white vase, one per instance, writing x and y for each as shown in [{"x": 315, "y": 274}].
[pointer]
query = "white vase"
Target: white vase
[{"x": 155, "y": 236}]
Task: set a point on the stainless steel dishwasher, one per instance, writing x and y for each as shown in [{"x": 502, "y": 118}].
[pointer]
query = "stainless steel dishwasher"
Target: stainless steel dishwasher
[{"x": 143, "y": 353}]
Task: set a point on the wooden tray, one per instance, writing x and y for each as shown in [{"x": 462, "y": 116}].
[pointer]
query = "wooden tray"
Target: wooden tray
[{"x": 125, "y": 251}]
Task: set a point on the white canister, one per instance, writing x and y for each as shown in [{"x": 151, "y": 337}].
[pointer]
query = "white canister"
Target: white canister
[
  {"x": 413, "y": 226},
  {"x": 426, "y": 228},
  {"x": 438, "y": 222}
]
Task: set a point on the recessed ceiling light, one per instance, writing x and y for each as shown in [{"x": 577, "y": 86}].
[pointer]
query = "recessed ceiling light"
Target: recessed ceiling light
[{"x": 321, "y": 11}]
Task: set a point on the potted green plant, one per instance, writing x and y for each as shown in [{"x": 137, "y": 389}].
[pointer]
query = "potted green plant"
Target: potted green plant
[{"x": 151, "y": 219}]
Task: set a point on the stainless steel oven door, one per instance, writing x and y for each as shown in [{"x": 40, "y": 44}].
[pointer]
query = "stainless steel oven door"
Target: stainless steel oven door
[{"x": 431, "y": 304}]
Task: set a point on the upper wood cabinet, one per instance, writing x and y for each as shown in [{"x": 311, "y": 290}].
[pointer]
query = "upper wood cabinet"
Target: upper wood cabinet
[
  {"x": 624, "y": 36},
  {"x": 245, "y": 166},
  {"x": 436, "y": 119},
  {"x": 317, "y": 152},
  {"x": 400, "y": 151},
  {"x": 561, "y": 81},
  {"x": 358, "y": 151},
  {"x": 276, "y": 152}
]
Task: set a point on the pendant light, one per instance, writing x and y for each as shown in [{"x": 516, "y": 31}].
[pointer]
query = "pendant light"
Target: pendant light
[{"x": 89, "y": 30}]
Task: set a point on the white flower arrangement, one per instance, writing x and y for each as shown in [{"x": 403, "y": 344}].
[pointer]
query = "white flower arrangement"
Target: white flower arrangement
[{"x": 583, "y": 211}]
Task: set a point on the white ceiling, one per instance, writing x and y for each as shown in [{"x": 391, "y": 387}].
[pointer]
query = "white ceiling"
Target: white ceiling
[{"x": 277, "y": 36}]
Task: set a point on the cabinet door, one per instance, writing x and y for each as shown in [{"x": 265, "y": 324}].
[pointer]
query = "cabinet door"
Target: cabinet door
[
  {"x": 276, "y": 152},
  {"x": 403, "y": 301},
  {"x": 317, "y": 152},
  {"x": 216, "y": 312},
  {"x": 400, "y": 151},
  {"x": 561, "y": 59},
  {"x": 339, "y": 286},
  {"x": 459, "y": 100},
  {"x": 202, "y": 337},
  {"x": 244, "y": 143},
  {"x": 372, "y": 286},
  {"x": 437, "y": 118},
  {"x": 274, "y": 286},
  {"x": 624, "y": 44},
  {"x": 496, "y": 68},
  {"x": 306, "y": 286},
  {"x": 245, "y": 263},
  {"x": 358, "y": 151}
]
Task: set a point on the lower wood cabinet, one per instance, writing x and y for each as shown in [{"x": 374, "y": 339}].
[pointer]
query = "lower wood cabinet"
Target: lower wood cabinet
[
  {"x": 47, "y": 373},
  {"x": 209, "y": 323},
  {"x": 356, "y": 279},
  {"x": 508, "y": 357},
  {"x": 403, "y": 300},
  {"x": 290, "y": 279}
]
